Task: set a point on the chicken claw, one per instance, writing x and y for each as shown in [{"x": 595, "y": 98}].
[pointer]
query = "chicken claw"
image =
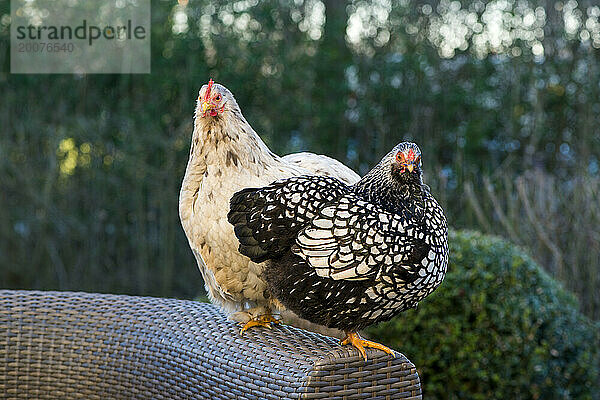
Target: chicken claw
[{"x": 265, "y": 320}]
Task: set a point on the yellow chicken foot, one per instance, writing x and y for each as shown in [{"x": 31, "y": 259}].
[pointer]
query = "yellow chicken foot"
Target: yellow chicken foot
[
  {"x": 265, "y": 320},
  {"x": 355, "y": 340}
]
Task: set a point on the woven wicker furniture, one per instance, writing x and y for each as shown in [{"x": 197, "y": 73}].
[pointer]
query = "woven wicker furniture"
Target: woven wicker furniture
[{"x": 64, "y": 345}]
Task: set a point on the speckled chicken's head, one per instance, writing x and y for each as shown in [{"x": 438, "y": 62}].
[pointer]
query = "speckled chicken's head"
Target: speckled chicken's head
[
  {"x": 214, "y": 101},
  {"x": 405, "y": 160},
  {"x": 389, "y": 179}
]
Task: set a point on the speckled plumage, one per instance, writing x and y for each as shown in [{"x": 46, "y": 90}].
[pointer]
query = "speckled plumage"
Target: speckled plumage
[
  {"x": 226, "y": 156},
  {"x": 346, "y": 256}
]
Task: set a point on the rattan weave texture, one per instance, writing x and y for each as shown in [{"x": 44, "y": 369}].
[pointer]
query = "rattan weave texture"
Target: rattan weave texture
[{"x": 65, "y": 345}]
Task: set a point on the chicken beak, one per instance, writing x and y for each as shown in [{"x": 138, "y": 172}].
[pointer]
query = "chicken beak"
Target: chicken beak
[
  {"x": 410, "y": 167},
  {"x": 205, "y": 106}
]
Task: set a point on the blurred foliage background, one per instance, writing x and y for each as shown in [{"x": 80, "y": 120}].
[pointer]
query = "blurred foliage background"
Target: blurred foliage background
[
  {"x": 502, "y": 96},
  {"x": 498, "y": 328}
]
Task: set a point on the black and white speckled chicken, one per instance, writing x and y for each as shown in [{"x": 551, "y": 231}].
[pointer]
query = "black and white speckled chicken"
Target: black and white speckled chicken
[{"x": 347, "y": 256}]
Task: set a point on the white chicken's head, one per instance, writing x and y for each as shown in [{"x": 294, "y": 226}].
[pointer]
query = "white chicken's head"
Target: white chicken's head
[{"x": 214, "y": 100}]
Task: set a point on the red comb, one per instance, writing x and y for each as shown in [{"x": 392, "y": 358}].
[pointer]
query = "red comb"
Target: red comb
[
  {"x": 207, "y": 94},
  {"x": 411, "y": 154}
]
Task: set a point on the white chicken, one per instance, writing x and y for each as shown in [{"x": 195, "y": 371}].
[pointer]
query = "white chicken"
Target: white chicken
[{"x": 227, "y": 155}]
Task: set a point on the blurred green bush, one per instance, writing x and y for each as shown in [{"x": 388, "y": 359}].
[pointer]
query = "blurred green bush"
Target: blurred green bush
[{"x": 498, "y": 327}]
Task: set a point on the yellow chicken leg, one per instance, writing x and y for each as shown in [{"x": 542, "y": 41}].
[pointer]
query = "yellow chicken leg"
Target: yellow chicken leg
[
  {"x": 265, "y": 320},
  {"x": 355, "y": 340}
]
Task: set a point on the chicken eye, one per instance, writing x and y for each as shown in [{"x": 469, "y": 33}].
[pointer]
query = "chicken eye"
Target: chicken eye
[
  {"x": 399, "y": 156},
  {"x": 218, "y": 97}
]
